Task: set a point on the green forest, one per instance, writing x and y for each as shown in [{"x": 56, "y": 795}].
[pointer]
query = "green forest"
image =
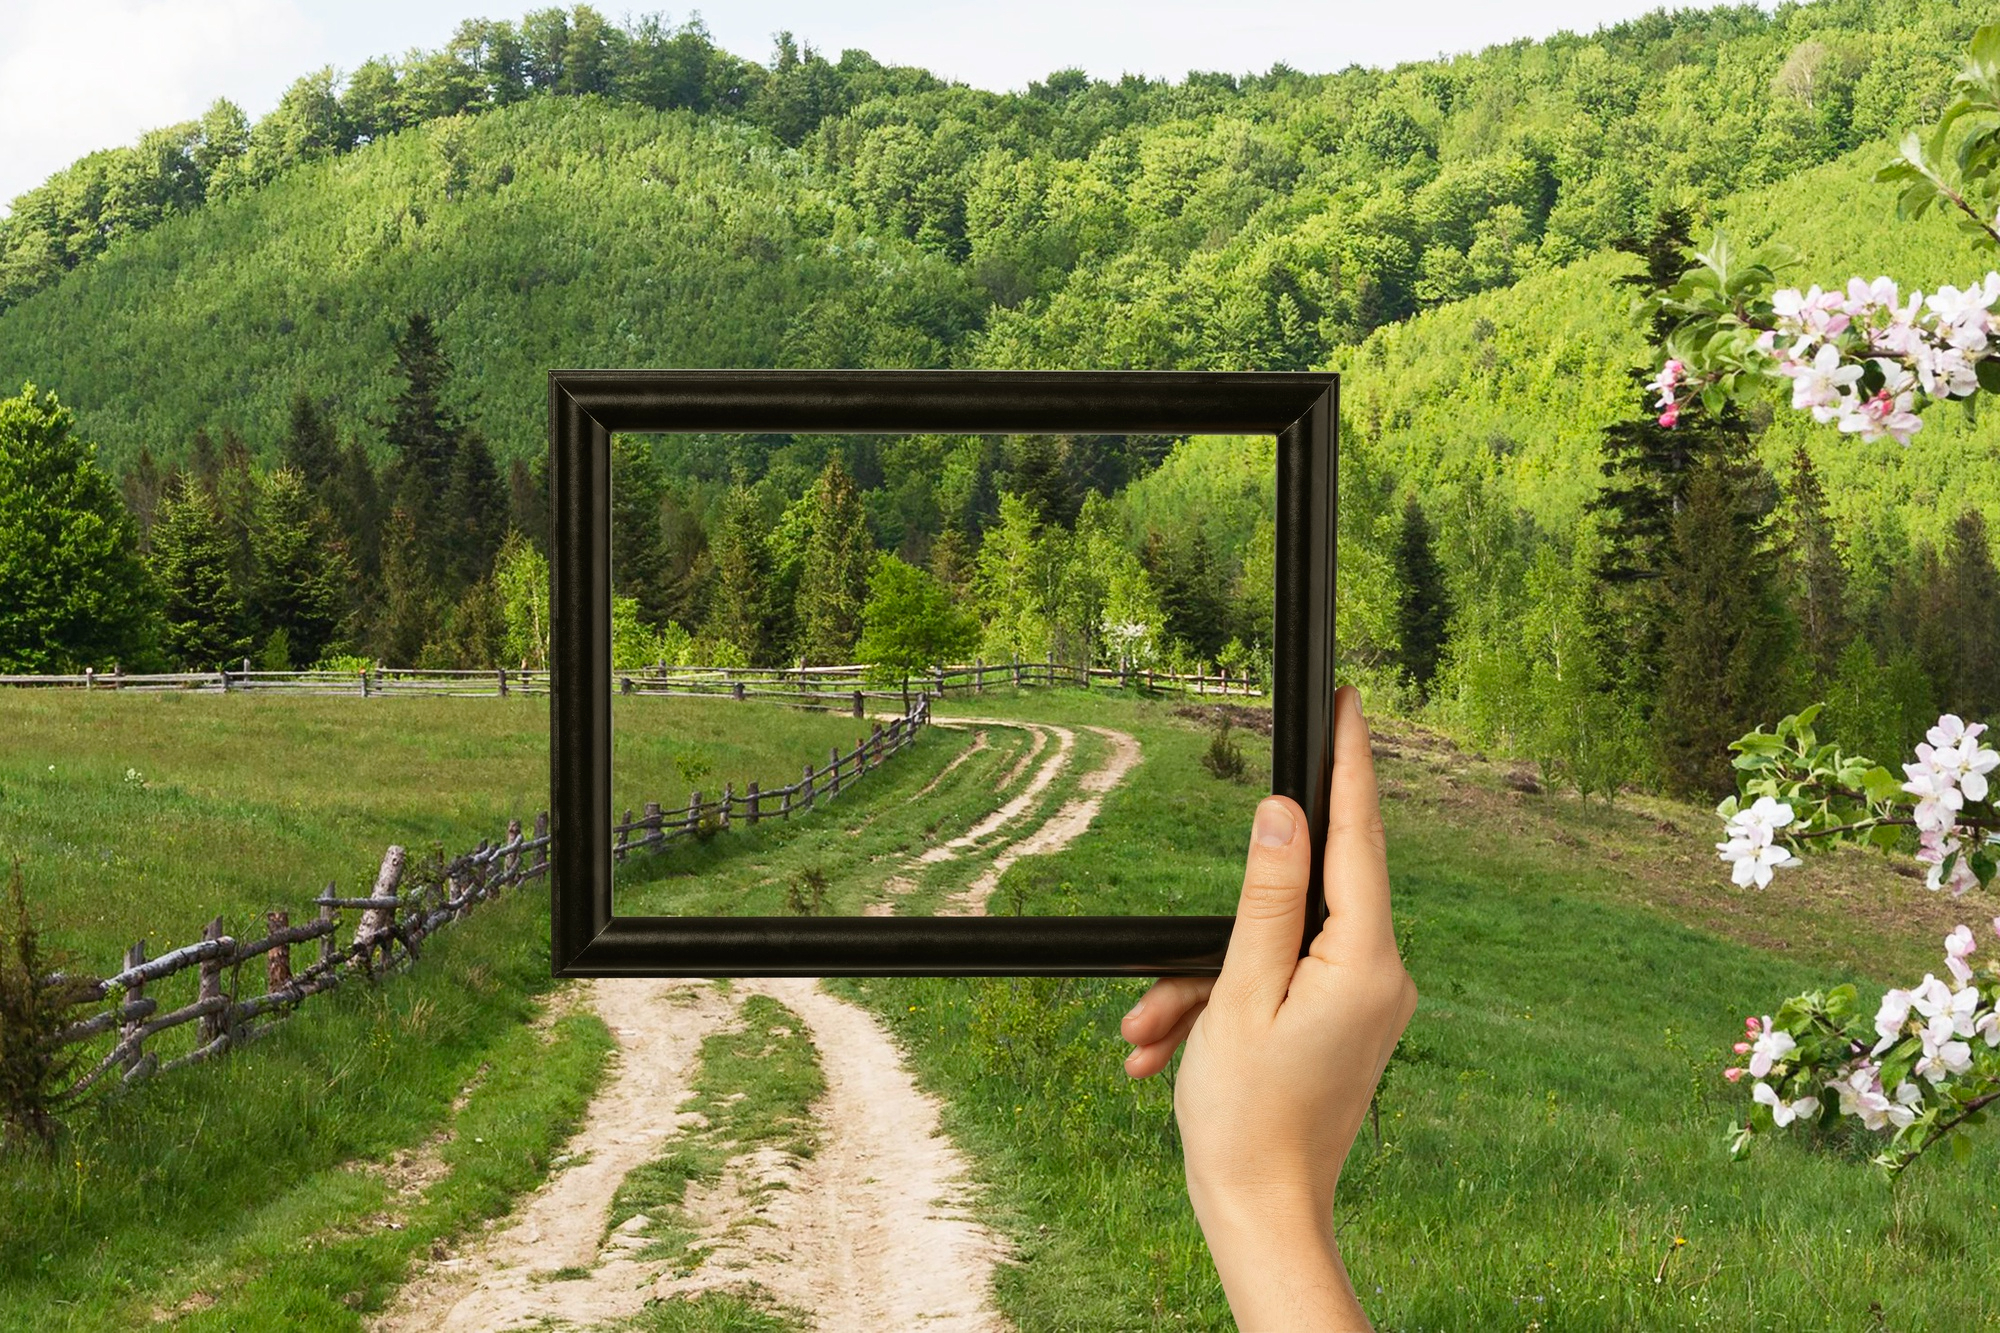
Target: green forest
[{"x": 297, "y": 369}]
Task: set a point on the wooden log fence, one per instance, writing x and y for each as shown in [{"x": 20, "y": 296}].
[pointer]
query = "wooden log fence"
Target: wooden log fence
[
  {"x": 399, "y": 912},
  {"x": 824, "y": 687}
]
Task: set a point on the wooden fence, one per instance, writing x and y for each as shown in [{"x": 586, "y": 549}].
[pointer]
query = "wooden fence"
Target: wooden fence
[
  {"x": 846, "y": 687},
  {"x": 396, "y": 918}
]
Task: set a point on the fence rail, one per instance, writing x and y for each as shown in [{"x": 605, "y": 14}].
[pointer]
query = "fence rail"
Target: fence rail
[
  {"x": 831, "y": 686},
  {"x": 395, "y": 921}
]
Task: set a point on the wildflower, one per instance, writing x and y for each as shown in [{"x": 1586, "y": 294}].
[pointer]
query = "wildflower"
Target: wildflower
[{"x": 1782, "y": 1111}]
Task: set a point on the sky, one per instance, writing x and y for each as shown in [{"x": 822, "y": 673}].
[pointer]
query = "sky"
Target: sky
[{"x": 147, "y": 63}]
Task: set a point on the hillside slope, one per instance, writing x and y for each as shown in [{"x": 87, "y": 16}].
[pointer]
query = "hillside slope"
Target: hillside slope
[
  {"x": 546, "y": 234},
  {"x": 1514, "y": 386}
]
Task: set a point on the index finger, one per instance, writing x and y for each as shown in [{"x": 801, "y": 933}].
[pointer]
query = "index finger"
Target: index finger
[{"x": 1357, "y": 850}]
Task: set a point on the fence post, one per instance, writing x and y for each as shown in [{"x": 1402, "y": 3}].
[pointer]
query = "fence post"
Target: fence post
[
  {"x": 503, "y": 682},
  {"x": 364, "y": 682},
  {"x": 377, "y": 922},
  {"x": 811, "y": 795},
  {"x": 223, "y": 675},
  {"x": 653, "y": 817},
  {"x": 753, "y": 795},
  {"x": 1017, "y": 673},
  {"x": 212, "y": 1025},
  {"x": 327, "y": 948},
  {"x": 979, "y": 675},
  {"x": 541, "y": 836},
  {"x": 857, "y": 703},
  {"x": 833, "y": 768},
  {"x": 510, "y": 864},
  {"x": 694, "y": 811},
  {"x": 89, "y": 678},
  {"x": 136, "y": 991},
  {"x": 624, "y": 684},
  {"x": 736, "y": 689},
  {"x": 1151, "y": 687},
  {"x": 728, "y": 799},
  {"x": 117, "y": 675},
  {"x": 624, "y": 835},
  {"x": 278, "y": 962}
]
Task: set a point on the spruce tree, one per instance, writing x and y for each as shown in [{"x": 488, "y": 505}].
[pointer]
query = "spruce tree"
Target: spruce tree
[
  {"x": 833, "y": 586},
  {"x": 422, "y": 430},
  {"x": 1423, "y": 605},
  {"x": 1959, "y": 633},
  {"x": 1727, "y": 637},
  {"x": 194, "y": 564},
  {"x": 1646, "y": 469},
  {"x": 1815, "y": 569},
  {"x": 473, "y": 635},
  {"x": 473, "y": 518},
  {"x": 406, "y": 610},
  {"x": 73, "y": 592},
  {"x": 1043, "y": 474},
  {"x": 951, "y": 563},
  {"x": 303, "y": 576},
  {"x": 142, "y": 487},
  {"x": 310, "y": 447},
  {"x": 528, "y": 500},
  {"x": 638, "y": 550},
  {"x": 1193, "y": 588},
  {"x": 354, "y": 497},
  {"x": 740, "y": 613}
]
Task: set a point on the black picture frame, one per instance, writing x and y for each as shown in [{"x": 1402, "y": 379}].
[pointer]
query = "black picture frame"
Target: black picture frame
[{"x": 587, "y": 406}]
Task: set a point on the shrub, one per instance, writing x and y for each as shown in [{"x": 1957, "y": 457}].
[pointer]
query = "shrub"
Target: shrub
[
  {"x": 1224, "y": 757},
  {"x": 34, "y": 1067}
]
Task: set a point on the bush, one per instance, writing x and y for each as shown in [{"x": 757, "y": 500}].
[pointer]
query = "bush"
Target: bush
[
  {"x": 34, "y": 1068},
  {"x": 806, "y": 895},
  {"x": 1224, "y": 758}
]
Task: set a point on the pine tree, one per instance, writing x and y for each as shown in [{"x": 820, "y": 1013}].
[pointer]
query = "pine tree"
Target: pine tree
[
  {"x": 833, "y": 586},
  {"x": 473, "y": 518},
  {"x": 1193, "y": 589},
  {"x": 422, "y": 430},
  {"x": 310, "y": 447},
  {"x": 951, "y": 563},
  {"x": 1815, "y": 569},
  {"x": 638, "y": 548},
  {"x": 1647, "y": 468},
  {"x": 1727, "y": 637},
  {"x": 1423, "y": 605},
  {"x": 740, "y": 612},
  {"x": 1958, "y": 630},
  {"x": 303, "y": 576},
  {"x": 354, "y": 497},
  {"x": 528, "y": 500},
  {"x": 407, "y": 609},
  {"x": 1042, "y": 473},
  {"x": 142, "y": 487},
  {"x": 473, "y": 635},
  {"x": 194, "y": 564},
  {"x": 73, "y": 592}
]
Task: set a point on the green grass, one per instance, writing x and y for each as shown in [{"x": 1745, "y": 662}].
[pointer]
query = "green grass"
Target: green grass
[
  {"x": 239, "y": 1194},
  {"x": 1557, "y": 1118},
  {"x": 755, "y": 1089},
  {"x": 235, "y": 1183}
]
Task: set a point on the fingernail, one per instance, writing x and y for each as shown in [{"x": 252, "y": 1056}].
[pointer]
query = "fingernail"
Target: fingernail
[
  {"x": 1275, "y": 825},
  {"x": 1133, "y": 1012}
]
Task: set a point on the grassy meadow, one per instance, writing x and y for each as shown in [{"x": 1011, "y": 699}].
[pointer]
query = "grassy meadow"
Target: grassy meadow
[{"x": 1552, "y": 1149}]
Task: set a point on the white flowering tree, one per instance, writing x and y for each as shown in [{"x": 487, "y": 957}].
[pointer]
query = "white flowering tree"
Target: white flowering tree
[{"x": 1867, "y": 359}]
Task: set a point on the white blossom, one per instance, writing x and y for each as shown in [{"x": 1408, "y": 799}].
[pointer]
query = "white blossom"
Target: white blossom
[
  {"x": 1823, "y": 385},
  {"x": 1782, "y": 1111},
  {"x": 1771, "y": 1046}
]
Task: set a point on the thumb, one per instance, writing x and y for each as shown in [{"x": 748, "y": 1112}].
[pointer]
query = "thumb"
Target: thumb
[{"x": 1271, "y": 914}]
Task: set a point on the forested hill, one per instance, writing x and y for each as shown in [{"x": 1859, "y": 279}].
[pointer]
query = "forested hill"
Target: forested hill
[{"x": 562, "y": 191}]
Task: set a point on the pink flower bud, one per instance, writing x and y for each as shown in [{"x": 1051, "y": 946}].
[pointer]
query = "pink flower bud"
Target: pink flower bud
[
  {"x": 1741, "y": 1047},
  {"x": 1670, "y": 416},
  {"x": 1732, "y": 1074},
  {"x": 1753, "y": 1025}
]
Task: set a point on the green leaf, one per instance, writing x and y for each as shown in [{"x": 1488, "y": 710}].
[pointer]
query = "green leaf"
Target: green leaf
[
  {"x": 1885, "y": 836},
  {"x": 1881, "y": 785},
  {"x": 1961, "y": 1149}
]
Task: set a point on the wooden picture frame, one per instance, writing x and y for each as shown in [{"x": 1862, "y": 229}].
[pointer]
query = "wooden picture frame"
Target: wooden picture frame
[{"x": 587, "y": 406}]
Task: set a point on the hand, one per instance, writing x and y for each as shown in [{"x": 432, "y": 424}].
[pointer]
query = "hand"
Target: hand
[{"x": 1284, "y": 1052}]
